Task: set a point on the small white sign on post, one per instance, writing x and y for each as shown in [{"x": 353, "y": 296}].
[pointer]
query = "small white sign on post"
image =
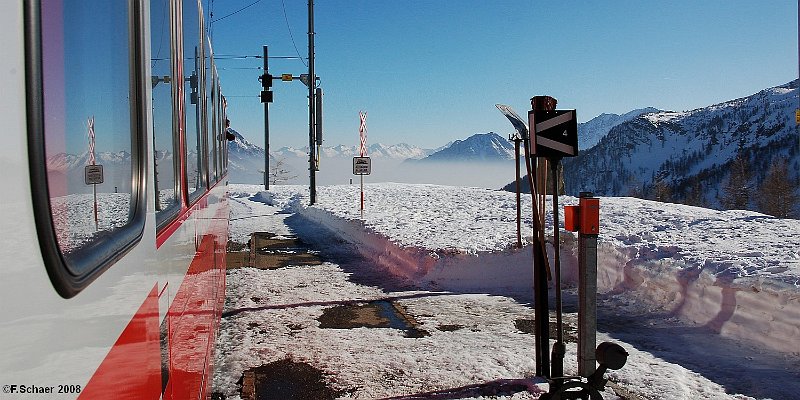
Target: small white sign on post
[
  {"x": 93, "y": 174},
  {"x": 362, "y": 166}
]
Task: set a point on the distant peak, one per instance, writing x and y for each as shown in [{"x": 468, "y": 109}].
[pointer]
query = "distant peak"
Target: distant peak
[{"x": 487, "y": 146}]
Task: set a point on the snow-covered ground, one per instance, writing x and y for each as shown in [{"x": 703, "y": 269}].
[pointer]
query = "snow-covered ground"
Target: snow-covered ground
[
  {"x": 707, "y": 303},
  {"x": 73, "y": 217}
]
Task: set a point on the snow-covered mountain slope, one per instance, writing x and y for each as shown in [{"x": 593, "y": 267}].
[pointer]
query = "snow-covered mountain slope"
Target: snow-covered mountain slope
[
  {"x": 245, "y": 160},
  {"x": 591, "y": 131},
  {"x": 691, "y": 150},
  {"x": 479, "y": 147},
  {"x": 241, "y": 147}
]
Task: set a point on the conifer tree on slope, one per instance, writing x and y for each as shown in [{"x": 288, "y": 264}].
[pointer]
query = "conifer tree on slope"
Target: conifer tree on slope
[
  {"x": 778, "y": 192},
  {"x": 736, "y": 193}
]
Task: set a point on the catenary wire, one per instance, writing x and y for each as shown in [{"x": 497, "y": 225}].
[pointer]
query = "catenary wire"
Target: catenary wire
[
  {"x": 237, "y": 11},
  {"x": 283, "y": 3}
]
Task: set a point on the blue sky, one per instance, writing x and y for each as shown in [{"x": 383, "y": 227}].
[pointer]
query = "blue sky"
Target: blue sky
[{"x": 429, "y": 72}]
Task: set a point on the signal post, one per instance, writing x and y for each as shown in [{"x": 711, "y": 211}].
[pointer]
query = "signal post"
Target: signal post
[{"x": 552, "y": 135}]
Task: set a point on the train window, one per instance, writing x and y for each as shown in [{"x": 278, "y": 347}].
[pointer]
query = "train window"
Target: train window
[
  {"x": 85, "y": 141},
  {"x": 165, "y": 141},
  {"x": 192, "y": 69}
]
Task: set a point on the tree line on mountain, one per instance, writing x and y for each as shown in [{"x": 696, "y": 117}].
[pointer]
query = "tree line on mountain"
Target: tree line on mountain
[
  {"x": 750, "y": 185},
  {"x": 760, "y": 177},
  {"x": 756, "y": 179}
]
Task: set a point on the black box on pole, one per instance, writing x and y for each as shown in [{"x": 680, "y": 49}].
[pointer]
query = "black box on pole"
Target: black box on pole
[{"x": 554, "y": 133}]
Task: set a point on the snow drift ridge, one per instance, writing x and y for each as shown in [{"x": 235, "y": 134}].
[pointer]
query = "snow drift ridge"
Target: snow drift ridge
[{"x": 719, "y": 292}]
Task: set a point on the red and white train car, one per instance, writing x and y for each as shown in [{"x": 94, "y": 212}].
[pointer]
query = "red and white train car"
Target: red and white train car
[{"x": 114, "y": 206}]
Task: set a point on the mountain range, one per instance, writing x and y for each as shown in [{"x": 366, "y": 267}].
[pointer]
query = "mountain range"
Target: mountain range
[
  {"x": 400, "y": 151},
  {"x": 246, "y": 160},
  {"x": 481, "y": 147},
  {"x": 691, "y": 150},
  {"x": 690, "y": 153}
]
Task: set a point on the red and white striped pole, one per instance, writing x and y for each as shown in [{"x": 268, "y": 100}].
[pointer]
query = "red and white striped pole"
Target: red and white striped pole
[
  {"x": 93, "y": 161},
  {"x": 362, "y": 150}
]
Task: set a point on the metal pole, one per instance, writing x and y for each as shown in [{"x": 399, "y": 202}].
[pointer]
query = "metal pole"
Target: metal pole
[
  {"x": 362, "y": 197},
  {"x": 540, "y": 267},
  {"x": 312, "y": 168},
  {"x": 519, "y": 201},
  {"x": 587, "y": 295},
  {"x": 96, "y": 220},
  {"x": 559, "y": 349},
  {"x": 541, "y": 309},
  {"x": 266, "y": 124}
]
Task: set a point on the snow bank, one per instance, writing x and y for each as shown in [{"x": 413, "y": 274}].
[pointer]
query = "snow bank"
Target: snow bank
[
  {"x": 735, "y": 272},
  {"x": 437, "y": 269},
  {"x": 756, "y": 309}
]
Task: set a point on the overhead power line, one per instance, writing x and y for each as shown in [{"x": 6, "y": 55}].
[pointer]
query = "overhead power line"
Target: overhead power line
[
  {"x": 290, "y": 33},
  {"x": 237, "y": 11},
  {"x": 242, "y": 57},
  {"x": 288, "y": 27},
  {"x": 248, "y": 68},
  {"x": 233, "y": 57}
]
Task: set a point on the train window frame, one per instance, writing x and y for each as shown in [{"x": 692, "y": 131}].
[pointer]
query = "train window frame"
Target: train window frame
[
  {"x": 193, "y": 196},
  {"x": 213, "y": 132},
  {"x": 217, "y": 122},
  {"x": 167, "y": 215},
  {"x": 223, "y": 145},
  {"x": 94, "y": 259},
  {"x": 224, "y": 129},
  {"x": 204, "y": 107}
]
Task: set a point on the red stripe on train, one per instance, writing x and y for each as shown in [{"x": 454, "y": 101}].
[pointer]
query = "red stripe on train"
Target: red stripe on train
[
  {"x": 194, "y": 316},
  {"x": 132, "y": 368},
  {"x": 191, "y": 326}
]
